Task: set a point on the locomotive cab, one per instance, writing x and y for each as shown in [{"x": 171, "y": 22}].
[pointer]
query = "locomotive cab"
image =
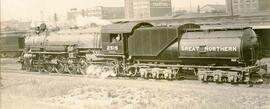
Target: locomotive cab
[
  {"x": 113, "y": 43},
  {"x": 115, "y": 37}
]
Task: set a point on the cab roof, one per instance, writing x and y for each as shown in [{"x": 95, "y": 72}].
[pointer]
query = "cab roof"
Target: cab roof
[{"x": 123, "y": 27}]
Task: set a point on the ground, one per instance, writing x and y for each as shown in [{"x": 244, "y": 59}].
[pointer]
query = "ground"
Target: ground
[{"x": 32, "y": 90}]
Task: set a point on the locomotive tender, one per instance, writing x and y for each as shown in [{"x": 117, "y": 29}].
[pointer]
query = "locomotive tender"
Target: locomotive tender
[
  {"x": 11, "y": 43},
  {"x": 142, "y": 50},
  {"x": 217, "y": 54}
]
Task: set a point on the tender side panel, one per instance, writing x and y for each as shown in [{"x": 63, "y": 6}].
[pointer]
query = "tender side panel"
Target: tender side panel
[
  {"x": 9, "y": 43},
  {"x": 218, "y": 44},
  {"x": 151, "y": 41}
]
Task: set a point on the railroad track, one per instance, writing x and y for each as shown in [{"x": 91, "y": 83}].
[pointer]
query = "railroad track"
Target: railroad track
[
  {"x": 266, "y": 82},
  {"x": 13, "y": 67}
]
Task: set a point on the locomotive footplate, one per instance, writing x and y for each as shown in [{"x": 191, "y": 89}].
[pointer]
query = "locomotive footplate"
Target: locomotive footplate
[{"x": 219, "y": 74}]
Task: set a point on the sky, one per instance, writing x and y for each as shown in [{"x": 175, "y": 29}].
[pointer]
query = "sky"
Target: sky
[{"x": 27, "y": 10}]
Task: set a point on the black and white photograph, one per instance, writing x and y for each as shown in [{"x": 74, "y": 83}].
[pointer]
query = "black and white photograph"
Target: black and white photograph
[{"x": 135, "y": 54}]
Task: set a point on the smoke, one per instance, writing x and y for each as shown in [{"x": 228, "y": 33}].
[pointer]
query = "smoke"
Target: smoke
[
  {"x": 85, "y": 21},
  {"x": 100, "y": 71}
]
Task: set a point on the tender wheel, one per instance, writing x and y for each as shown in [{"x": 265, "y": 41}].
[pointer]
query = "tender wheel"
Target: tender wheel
[
  {"x": 224, "y": 79},
  {"x": 149, "y": 75},
  {"x": 210, "y": 78},
  {"x": 142, "y": 73},
  {"x": 232, "y": 79},
  {"x": 201, "y": 77},
  {"x": 161, "y": 76},
  {"x": 169, "y": 76}
]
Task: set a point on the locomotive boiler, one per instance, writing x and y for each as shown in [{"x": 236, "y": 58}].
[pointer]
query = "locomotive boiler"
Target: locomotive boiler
[{"x": 65, "y": 51}]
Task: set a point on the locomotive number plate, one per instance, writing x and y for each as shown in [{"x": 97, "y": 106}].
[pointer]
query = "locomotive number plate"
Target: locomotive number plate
[{"x": 112, "y": 47}]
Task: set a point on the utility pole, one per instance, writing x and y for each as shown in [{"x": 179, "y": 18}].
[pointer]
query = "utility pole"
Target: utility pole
[
  {"x": 42, "y": 16},
  {"x": 198, "y": 9},
  {"x": 189, "y": 6},
  {"x": 232, "y": 9}
]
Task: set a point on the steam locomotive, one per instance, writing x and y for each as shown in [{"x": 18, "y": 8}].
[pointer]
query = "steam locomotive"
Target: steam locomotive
[{"x": 142, "y": 50}]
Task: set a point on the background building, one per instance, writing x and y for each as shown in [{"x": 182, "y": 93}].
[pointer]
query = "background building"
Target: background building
[
  {"x": 98, "y": 11},
  {"x": 129, "y": 9},
  {"x": 147, "y": 8},
  {"x": 264, "y": 5},
  {"x": 113, "y": 13},
  {"x": 178, "y": 12},
  {"x": 247, "y": 6},
  {"x": 94, "y": 11},
  {"x": 105, "y": 12},
  {"x": 73, "y": 13},
  {"x": 213, "y": 8},
  {"x": 14, "y": 25}
]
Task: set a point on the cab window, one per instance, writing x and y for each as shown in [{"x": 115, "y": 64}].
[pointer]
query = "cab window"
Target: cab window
[{"x": 115, "y": 37}]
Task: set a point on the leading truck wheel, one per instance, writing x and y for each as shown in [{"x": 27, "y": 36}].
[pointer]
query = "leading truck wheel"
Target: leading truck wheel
[
  {"x": 11, "y": 54},
  {"x": 4, "y": 55},
  {"x": 23, "y": 67}
]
